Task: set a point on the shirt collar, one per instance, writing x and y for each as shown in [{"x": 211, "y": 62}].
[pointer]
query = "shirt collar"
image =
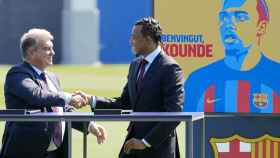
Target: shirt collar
[
  {"x": 151, "y": 57},
  {"x": 38, "y": 71}
]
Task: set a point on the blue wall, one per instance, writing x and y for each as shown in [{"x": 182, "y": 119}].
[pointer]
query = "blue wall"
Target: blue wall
[
  {"x": 17, "y": 16},
  {"x": 116, "y": 21}
]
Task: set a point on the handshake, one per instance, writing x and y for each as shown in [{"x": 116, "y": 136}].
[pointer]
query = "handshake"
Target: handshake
[{"x": 80, "y": 99}]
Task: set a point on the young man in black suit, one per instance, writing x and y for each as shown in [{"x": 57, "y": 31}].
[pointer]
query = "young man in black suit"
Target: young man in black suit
[
  {"x": 29, "y": 86},
  {"x": 155, "y": 84}
]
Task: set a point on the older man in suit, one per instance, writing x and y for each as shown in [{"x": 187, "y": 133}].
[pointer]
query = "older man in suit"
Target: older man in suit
[
  {"x": 155, "y": 84},
  {"x": 29, "y": 86}
]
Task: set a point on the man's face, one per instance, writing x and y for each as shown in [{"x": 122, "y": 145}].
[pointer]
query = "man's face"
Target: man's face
[
  {"x": 137, "y": 40},
  {"x": 238, "y": 25},
  {"x": 42, "y": 55}
]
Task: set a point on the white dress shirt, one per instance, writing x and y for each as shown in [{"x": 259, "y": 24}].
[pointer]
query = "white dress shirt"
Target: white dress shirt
[
  {"x": 151, "y": 57},
  {"x": 52, "y": 88}
]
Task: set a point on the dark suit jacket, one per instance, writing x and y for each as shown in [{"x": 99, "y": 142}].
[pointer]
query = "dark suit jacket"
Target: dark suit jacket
[
  {"x": 23, "y": 89},
  {"x": 161, "y": 91}
]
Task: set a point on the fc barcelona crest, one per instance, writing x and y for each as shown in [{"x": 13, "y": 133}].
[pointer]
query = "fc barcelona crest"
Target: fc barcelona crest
[
  {"x": 239, "y": 147},
  {"x": 260, "y": 100}
]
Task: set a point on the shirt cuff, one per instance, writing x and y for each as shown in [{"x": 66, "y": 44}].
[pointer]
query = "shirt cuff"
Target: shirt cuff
[
  {"x": 91, "y": 123},
  {"x": 146, "y": 143},
  {"x": 93, "y": 102},
  {"x": 67, "y": 97}
]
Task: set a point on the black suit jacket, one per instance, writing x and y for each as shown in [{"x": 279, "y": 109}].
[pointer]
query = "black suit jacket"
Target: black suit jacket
[
  {"x": 161, "y": 91},
  {"x": 23, "y": 89}
]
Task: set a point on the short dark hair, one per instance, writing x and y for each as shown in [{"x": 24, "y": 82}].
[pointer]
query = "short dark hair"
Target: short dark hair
[{"x": 150, "y": 27}]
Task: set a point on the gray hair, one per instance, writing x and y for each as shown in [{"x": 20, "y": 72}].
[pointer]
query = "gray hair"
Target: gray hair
[{"x": 31, "y": 38}]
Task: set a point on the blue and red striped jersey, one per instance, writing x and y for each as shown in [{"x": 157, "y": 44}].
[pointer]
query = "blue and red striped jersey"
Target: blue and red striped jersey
[{"x": 218, "y": 88}]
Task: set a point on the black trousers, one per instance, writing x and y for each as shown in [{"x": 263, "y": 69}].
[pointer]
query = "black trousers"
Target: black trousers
[{"x": 52, "y": 154}]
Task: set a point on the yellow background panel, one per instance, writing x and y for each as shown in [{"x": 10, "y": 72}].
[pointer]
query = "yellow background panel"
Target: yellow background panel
[{"x": 201, "y": 17}]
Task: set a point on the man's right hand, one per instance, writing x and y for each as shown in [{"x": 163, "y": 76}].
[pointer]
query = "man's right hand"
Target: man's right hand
[
  {"x": 78, "y": 101},
  {"x": 86, "y": 97}
]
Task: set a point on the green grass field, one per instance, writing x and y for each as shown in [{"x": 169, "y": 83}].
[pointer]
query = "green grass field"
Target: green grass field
[{"x": 106, "y": 80}]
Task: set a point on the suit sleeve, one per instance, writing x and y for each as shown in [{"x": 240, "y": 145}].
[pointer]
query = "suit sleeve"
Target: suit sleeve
[
  {"x": 80, "y": 126},
  {"x": 23, "y": 87},
  {"x": 173, "y": 92},
  {"x": 121, "y": 102}
]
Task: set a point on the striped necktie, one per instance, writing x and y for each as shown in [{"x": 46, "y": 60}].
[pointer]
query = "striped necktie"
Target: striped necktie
[{"x": 141, "y": 73}]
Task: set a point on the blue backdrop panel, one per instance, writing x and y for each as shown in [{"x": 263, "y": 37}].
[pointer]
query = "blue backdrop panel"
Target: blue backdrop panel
[
  {"x": 16, "y": 17},
  {"x": 221, "y": 130},
  {"x": 116, "y": 21}
]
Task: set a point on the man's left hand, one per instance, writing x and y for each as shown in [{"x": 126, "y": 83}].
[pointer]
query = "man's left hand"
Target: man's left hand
[
  {"x": 133, "y": 144},
  {"x": 99, "y": 131}
]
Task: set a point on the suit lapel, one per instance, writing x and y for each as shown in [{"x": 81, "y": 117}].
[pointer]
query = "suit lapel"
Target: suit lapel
[
  {"x": 53, "y": 80},
  {"x": 149, "y": 74},
  {"x": 134, "y": 73},
  {"x": 36, "y": 78},
  {"x": 34, "y": 75}
]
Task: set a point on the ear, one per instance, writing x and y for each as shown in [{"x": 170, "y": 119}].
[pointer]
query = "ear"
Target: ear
[
  {"x": 261, "y": 28},
  {"x": 30, "y": 51},
  {"x": 148, "y": 38}
]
